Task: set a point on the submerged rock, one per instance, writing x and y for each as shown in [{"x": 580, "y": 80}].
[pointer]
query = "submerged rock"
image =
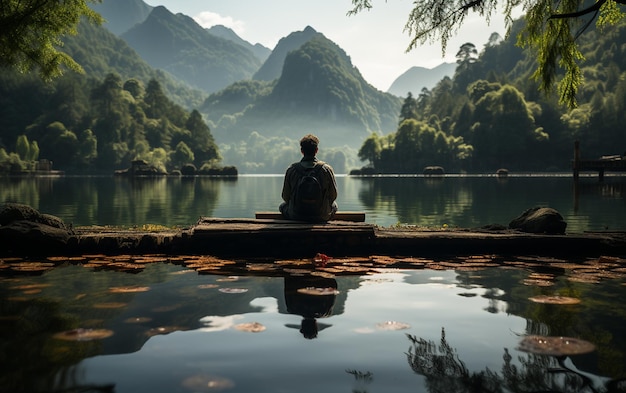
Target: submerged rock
[{"x": 540, "y": 220}]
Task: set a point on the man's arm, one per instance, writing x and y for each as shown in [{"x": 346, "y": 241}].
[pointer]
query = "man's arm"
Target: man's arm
[
  {"x": 286, "y": 194},
  {"x": 332, "y": 183}
]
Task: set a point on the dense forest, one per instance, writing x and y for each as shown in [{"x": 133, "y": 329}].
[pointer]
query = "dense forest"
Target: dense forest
[
  {"x": 491, "y": 114},
  {"x": 99, "y": 125},
  {"x": 258, "y": 123},
  {"x": 120, "y": 110}
]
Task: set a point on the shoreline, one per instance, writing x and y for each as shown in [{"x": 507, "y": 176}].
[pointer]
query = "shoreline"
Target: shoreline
[{"x": 269, "y": 238}]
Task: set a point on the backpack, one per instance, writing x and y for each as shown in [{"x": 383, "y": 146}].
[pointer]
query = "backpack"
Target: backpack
[{"x": 308, "y": 194}]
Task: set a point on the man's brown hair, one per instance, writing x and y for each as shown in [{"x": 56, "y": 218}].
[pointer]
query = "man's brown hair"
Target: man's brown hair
[{"x": 308, "y": 144}]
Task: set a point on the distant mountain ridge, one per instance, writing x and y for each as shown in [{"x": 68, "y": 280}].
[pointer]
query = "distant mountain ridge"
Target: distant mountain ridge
[
  {"x": 416, "y": 78},
  {"x": 177, "y": 44},
  {"x": 121, "y": 15},
  {"x": 319, "y": 90},
  {"x": 259, "y": 50},
  {"x": 101, "y": 52},
  {"x": 273, "y": 66}
]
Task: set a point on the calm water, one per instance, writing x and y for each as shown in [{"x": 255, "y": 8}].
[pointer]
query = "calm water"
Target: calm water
[
  {"x": 456, "y": 331},
  {"x": 455, "y": 201},
  {"x": 170, "y": 329}
]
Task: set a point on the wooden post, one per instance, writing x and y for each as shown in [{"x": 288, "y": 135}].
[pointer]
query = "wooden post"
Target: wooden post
[{"x": 576, "y": 165}]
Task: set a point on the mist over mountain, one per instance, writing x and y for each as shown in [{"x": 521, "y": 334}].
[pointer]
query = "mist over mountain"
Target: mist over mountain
[
  {"x": 417, "y": 78},
  {"x": 121, "y": 15},
  {"x": 101, "y": 52},
  {"x": 259, "y": 50},
  {"x": 318, "y": 91},
  {"x": 273, "y": 66},
  {"x": 177, "y": 44}
]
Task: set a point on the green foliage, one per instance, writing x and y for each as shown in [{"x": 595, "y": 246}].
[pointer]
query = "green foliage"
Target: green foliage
[
  {"x": 550, "y": 32},
  {"x": 31, "y": 33},
  {"x": 504, "y": 121},
  {"x": 103, "y": 125},
  {"x": 100, "y": 52},
  {"x": 319, "y": 91}
]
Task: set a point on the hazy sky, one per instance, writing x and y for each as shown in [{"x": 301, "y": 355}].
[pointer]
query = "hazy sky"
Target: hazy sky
[{"x": 374, "y": 40}]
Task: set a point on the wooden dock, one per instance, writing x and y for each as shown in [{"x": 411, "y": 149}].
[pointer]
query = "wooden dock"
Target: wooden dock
[
  {"x": 605, "y": 164},
  {"x": 252, "y": 238}
]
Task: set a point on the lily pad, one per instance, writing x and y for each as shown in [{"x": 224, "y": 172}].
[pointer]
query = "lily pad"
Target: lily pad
[
  {"x": 251, "y": 327},
  {"x": 207, "y": 383},
  {"x": 233, "y": 290},
  {"x": 392, "y": 325},
  {"x": 318, "y": 291},
  {"x": 554, "y": 299},
  {"x": 555, "y": 346},
  {"x": 83, "y": 334},
  {"x": 131, "y": 289}
]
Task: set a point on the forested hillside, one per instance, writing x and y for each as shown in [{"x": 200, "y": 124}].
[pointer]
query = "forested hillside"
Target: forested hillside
[
  {"x": 91, "y": 126},
  {"x": 119, "y": 110},
  {"x": 320, "y": 91},
  {"x": 491, "y": 114},
  {"x": 257, "y": 49},
  {"x": 177, "y": 44},
  {"x": 121, "y": 15},
  {"x": 273, "y": 66},
  {"x": 100, "y": 52}
]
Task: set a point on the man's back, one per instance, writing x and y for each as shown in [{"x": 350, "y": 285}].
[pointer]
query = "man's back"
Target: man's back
[{"x": 310, "y": 190}]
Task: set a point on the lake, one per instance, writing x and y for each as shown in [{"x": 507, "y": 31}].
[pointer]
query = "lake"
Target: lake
[
  {"x": 82, "y": 327},
  {"x": 480, "y": 323},
  {"x": 455, "y": 201}
]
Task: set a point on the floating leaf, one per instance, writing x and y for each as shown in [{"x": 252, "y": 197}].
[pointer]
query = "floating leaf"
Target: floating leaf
[
  {"x": 318, "y": 291},
  {"x": 83, "y": 334},
  {"x": 554, "y": 299},
  {"x": 207, "y": 383},
  {"x": 392, "y": 325},
  {"x": 555, "y": 346},
  {"x": 207, "y": 286},
  {"x": 233, "y": 290},
  {"x": 228, "y": 279},
  {"x": 163, "y": 330},
  {"x": 251, "y": 327},
  {"x": 131, "y": 289}
]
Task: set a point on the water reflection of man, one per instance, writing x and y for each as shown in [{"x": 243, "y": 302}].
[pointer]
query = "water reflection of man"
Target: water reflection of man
[{"x": 310, "y": 307}]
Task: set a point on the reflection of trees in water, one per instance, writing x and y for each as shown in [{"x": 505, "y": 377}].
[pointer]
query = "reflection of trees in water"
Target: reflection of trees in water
[
  {"x": 445, "y": 372},
  {"x": 422, "y": 201},
  {"x": 362, "y": 379},
  {"x": 161, "y": 200}
]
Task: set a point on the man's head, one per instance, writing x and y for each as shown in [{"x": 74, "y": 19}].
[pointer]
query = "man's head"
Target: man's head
[{"x": 308, "y": 145}]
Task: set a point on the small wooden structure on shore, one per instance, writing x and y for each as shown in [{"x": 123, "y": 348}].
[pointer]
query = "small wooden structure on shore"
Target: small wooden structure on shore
[{"x": 609, "y": 163}]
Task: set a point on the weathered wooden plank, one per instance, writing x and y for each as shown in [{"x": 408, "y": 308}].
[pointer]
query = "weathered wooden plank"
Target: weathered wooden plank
[{"x": 339, "y": 216}]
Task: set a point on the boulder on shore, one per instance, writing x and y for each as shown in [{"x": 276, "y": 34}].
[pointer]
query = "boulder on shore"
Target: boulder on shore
[
  {"x": 26, "y": 231},
  {"x": 540, "y": 220}
]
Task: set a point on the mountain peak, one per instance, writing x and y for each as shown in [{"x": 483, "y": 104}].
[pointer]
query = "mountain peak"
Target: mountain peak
[{"x": 273, "y": 66}]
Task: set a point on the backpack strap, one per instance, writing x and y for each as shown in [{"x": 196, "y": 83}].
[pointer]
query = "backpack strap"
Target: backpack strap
[{"x": 317, "y": 166}]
